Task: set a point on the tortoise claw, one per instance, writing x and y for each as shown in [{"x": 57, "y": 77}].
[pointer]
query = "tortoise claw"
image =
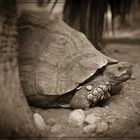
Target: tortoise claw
[
  {"x": 102, "y": 97},
  {"x": 108, "y": 94}
]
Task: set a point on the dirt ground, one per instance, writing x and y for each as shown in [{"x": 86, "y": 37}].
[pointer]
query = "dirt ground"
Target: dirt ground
[{"x": 121, "y": 112}]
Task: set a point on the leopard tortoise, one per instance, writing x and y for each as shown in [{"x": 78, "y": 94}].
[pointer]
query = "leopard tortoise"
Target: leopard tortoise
[{"x": 60, "y": 67}]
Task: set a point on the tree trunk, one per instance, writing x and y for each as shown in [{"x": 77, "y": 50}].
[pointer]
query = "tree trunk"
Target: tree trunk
[
  {"x": 96, "y": 22},
  {"x": 88, "y": 17},
  {"x": 15, "y": 114}
]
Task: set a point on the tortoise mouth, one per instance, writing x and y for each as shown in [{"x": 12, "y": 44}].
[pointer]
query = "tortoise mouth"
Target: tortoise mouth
[{"x": 123, "y": 77}]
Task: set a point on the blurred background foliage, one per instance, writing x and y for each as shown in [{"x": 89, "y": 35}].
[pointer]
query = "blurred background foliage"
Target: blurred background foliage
[
  {"x": 95, "y": 18},
  {"x": 88, "y": 16}
]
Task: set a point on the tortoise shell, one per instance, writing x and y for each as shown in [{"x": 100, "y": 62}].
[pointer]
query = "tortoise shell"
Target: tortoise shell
[{"x": 54, "y": 58}]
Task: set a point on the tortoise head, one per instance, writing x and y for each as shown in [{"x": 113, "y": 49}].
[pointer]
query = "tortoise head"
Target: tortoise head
[{"x": 118, "y": 73}]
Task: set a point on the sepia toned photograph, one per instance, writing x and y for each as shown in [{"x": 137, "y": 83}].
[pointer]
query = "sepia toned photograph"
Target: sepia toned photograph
[{"x": 70, "y": 69}]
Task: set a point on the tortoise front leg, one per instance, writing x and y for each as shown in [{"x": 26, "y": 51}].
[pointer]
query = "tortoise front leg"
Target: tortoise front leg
[
  {"x": 99, "y": 92},
  {"x": 84, "y": 97}
]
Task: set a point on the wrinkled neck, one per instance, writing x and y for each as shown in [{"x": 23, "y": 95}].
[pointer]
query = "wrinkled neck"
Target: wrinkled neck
[{"x": 114, "y": 82}]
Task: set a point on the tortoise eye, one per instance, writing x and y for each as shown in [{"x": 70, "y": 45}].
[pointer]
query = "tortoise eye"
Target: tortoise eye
[{"x": 120, "y": 68}]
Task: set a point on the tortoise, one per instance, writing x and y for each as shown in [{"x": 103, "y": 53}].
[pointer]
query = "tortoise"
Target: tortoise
[{"x": 58, "y": 66}]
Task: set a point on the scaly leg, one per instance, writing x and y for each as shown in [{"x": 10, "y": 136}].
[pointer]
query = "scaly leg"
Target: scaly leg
[{"x": 96, "y": 90}]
